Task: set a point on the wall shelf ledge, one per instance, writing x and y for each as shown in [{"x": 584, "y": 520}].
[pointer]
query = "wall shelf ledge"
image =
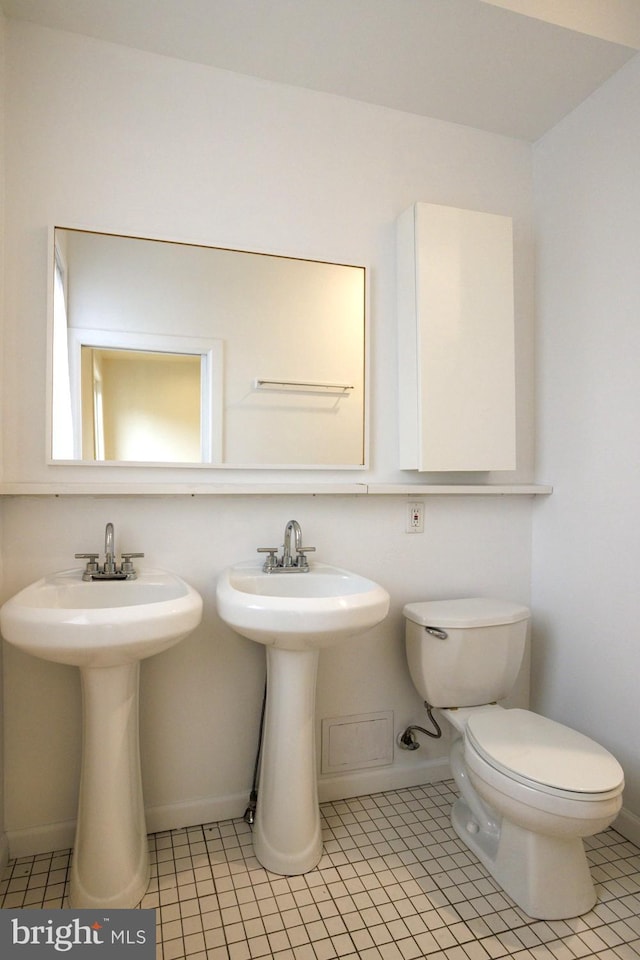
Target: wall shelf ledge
[
  {"x": 461, "y": 489},
  {"x": 261, "y": 489}
]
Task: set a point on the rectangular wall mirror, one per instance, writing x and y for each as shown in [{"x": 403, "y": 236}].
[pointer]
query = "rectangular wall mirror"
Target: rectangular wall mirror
[{"x": 174, "y": 353}]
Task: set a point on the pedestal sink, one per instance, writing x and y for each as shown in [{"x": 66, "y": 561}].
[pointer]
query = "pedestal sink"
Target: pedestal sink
[
  {"x": 105, "y": 628},
  {"x": 295, "y": 614}
]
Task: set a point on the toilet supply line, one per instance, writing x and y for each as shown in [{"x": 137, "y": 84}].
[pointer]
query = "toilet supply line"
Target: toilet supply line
[{"x": 407, "y": 740}]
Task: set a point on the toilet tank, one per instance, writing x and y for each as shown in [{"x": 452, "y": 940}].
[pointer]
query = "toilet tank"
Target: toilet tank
[{"x": 478, "y": 660}]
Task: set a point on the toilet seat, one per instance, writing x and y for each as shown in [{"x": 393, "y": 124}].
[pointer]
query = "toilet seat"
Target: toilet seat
[{"x": 544, "y": 755}]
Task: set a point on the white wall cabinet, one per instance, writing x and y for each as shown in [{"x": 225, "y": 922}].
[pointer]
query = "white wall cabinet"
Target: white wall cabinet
[{"x": 456, "y": 340}]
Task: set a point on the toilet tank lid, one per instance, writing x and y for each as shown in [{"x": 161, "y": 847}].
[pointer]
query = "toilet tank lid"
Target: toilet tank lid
[{"x": 465, "y": 613}]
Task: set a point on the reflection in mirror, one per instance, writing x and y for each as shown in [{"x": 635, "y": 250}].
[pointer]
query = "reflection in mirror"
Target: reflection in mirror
[
  {"x": 140, "y": 405},
  {"x": 180, "y": 354},
  {"x": 138, "y": 397}
]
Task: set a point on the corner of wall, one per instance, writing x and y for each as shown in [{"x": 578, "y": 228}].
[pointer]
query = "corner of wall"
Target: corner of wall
[
  {"x": 628, "y": 824},
  {"x": 4, "y": 850}
]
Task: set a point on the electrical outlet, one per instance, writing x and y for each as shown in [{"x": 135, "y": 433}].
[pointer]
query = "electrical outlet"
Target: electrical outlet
[{"x": 415, "y": 517}]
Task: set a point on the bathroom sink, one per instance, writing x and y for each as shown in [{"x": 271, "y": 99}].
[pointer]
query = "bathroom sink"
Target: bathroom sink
[
  {"x": 100, "y": 623},
  {"x": 105, "y": 627},
  {"x": 295, "y": 614},
  {"x": 299, "y": 611}
]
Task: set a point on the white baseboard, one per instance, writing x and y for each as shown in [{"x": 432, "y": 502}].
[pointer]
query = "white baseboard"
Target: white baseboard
[
  {"x": 628, "y": 824},
  {"x": 32, "y": 841},
  {"x": 190, "y": 813},
  {"x": 175, "y": 816},
  {"x": 59, "y": 836},
  {"x": 353, "y": 784},
  {"x": 378, "y": 779}
]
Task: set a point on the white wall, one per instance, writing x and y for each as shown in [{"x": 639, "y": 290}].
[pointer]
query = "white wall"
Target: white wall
[
  {"x": 3, "y": 843},
  {"x": 587, "y": 535},
  {"x": 109, "y": 137},
  {"x": 120, "y": 140}
]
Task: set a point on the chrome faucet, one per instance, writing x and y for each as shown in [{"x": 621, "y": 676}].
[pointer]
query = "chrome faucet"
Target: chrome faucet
[
  {"x": 109, "y": 570},
  {"x": 293, "y": 527},
  {"x": 109, "y": 550},
  {"x": 289, "y": 562}
]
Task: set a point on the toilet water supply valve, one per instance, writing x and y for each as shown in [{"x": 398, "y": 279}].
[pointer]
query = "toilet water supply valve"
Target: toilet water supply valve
[{"x": 408, "y": 740}]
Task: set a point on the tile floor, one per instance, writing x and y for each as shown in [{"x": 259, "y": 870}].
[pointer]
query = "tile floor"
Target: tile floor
[{"x": 394, "y": 883}]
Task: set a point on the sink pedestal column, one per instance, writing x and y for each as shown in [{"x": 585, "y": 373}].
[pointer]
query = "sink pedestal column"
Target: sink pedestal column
[
  {"x": 110, "y": 866},
  {"x": 287, "y": 838}
]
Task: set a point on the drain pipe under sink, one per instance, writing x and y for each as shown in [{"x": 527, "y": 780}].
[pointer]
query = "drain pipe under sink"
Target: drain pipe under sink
[{"x": 250, "y": 812}]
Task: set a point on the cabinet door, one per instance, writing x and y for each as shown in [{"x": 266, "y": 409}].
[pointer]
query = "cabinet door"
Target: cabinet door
[{"x": 456, "y": 340}]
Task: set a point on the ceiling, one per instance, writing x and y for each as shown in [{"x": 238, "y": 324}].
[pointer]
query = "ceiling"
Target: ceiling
[{"x": 475, "y": 62}]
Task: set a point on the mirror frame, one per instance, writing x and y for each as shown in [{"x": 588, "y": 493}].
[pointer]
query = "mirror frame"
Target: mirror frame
[{"x": 214, "y": 364}]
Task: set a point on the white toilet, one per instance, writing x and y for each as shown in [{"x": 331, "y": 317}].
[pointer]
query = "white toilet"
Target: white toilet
[{"x": 530, "y": 788}]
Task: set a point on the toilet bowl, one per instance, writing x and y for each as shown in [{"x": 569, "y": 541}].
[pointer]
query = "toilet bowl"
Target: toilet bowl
[
  {"x": 530, "y": 788},
  {"x": 539, "y": 788}
]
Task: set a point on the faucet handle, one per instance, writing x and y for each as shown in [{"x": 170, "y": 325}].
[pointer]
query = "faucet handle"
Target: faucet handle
[
  {"x": 91, "y": 566},
  {"x": 271, "y": 562},
  {"x": 301, "y": 560},
  {"x": 127, "y": 566}
]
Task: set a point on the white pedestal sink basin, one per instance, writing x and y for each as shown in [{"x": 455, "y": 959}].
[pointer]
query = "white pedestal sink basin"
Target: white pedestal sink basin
[
  {"x": 295, "y": 614},
  {"x": 105, "y": 628}
]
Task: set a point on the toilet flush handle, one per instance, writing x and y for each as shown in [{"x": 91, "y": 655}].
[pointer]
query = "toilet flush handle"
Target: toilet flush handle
[{"x": 436, "y": 632}]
